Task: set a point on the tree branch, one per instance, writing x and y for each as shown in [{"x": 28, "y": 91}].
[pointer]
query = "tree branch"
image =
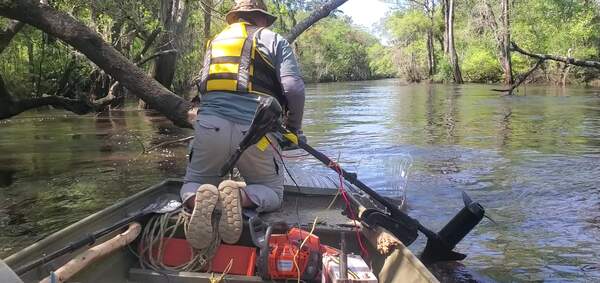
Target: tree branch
[
  {"x": 522, "y": 79},
  {"x": 168, "y": 143},
  {"x": 566, "y": 60},
  {"x": 10, "y": 107},
  {"x": 149, "y": 41},
  {"x": 157, "y": 54},
  {"x": 314, "y": 17},
  {"x": 7, "y": 35},
  {"x": 108, "y": 99},
  {"x": 90, "y": 43}
]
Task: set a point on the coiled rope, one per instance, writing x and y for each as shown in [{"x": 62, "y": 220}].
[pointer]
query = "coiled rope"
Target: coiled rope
[{"x": 164, "y": 226}]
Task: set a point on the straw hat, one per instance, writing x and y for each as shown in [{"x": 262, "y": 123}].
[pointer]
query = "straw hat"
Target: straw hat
[{"x": 242, "y": 6}]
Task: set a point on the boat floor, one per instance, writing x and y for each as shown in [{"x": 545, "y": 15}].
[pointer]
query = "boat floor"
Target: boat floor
[
  {"x": 299, "y": 208},
  {"x": 304, "y": 210}
]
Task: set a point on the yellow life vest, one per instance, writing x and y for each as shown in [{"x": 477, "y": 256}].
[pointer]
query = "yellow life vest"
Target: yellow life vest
[{"x": 234, "y": 64}]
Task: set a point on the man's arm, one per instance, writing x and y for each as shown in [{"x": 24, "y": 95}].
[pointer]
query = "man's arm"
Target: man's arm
[
  {"x": 293, "y": 85},
  {"x": 293, "y": 89}
]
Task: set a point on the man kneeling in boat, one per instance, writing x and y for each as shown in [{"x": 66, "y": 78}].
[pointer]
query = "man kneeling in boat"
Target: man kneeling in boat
[{"x": 242, "y": 63}]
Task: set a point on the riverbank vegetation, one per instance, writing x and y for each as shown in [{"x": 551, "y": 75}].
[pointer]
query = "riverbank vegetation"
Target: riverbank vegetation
[
  {"x": 482, "y": 35},
  {"x": 87, "y": 56},
  {"x": 166, "y": 39}
]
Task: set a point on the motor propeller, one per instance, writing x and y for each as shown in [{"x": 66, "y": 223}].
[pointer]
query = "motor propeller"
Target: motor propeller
[
  {"x": 467, "y": 201},
  {"x": 441, "y": 249}
]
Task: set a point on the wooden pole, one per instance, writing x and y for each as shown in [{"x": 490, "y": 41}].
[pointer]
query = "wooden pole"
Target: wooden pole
[{"x": 95, "y": 253}]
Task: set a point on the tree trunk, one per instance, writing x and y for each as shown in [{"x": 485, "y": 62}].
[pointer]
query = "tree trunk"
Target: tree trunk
[
  {"x": 445, "y": 4},
  {"x": 505, "y": 43},
  {"x": 430, "y": 53},
  {"x": 174, "y": 14},
  {"x": 430, "y": 48},
  {"x": 10, "y": 107},
  {"x": 453, "y": 57},
  {"x": 30, "y": 62},
  {"x": 207, "y": 4},
  {"x": 115, "y": 34}
]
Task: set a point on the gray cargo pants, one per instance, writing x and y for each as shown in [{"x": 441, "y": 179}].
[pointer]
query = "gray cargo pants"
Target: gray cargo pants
[{"x": 215, "y": 140}]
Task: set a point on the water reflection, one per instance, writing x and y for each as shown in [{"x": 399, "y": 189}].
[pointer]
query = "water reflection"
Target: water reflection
[
  {"x": 69, "y": 166},
  {"x": 532, "y": 160},
  {"x": 7, "y": 177}
]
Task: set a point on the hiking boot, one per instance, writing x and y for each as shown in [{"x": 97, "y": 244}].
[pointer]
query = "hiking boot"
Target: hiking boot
[
  {"x": 230, "y": 204},
  {"x": 200, "y": 230}
]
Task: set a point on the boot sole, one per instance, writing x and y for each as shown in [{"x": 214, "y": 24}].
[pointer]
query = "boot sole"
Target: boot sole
[
  {"x": 200, "y": 230},
  {"x": 231, "y": 222}
]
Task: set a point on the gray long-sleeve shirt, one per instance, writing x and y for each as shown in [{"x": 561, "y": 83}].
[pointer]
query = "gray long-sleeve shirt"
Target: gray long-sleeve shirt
[{"x": 240, "y": 108}]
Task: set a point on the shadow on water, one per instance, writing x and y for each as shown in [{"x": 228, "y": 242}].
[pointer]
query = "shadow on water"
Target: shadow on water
[{"x": 7, "y": 177}]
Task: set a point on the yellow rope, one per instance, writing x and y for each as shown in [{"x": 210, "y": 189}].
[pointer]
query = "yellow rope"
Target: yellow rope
[
  {"x": 214, "y": 279},
  {"x": 333, "y": 200},
  {"x": 302, "y": 245},
  {"x": 352, "y": 273}
]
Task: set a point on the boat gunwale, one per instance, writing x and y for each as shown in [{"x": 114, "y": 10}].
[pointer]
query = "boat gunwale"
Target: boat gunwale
[{"x": 25, "y": 252}]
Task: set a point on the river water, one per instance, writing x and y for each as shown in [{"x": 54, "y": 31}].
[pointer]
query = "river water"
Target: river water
[{"x": 532, "y": 160}]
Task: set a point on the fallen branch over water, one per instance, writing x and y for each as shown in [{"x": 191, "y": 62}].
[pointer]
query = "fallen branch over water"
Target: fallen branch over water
[
  {"x": 522, "y": 79},
  {"x": 541, "y": 58},
  {"x": 566, "y": 60}
]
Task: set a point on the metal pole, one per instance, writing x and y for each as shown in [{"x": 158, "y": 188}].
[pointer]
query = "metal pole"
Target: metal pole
[{"x": 343, "y": 258}]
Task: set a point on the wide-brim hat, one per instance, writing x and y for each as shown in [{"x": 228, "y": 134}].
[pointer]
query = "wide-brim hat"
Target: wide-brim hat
[{"x": 244, "y": 6}]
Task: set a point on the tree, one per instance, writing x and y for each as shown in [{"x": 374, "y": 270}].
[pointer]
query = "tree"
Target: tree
[
  {"x": 451, "y": 48},
  {"x": 431, "y": 62},
  {"x": 428, "y": 8},
  {"x": 505, "y": 59},
  {"x": 65, "y": 27},
  {"x": 173, "y": 17},
  {"x": 207, "y": 7},
  {"x": 446, "y": 25},
  {"x": 501, "y": 30}
]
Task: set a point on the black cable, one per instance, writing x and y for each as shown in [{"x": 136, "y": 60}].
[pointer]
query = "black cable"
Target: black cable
[
  {"x": 284, "y": 166},
  {"x": 291, "y": 177}
]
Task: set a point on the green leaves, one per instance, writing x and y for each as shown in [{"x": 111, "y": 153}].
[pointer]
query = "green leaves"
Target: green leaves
[
  {"x": 335, "y": 50},
  {"x": 541, "y": 26}
]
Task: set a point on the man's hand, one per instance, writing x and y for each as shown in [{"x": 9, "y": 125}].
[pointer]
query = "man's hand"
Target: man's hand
[
  {"x": 192, "y": 114},
  {"x": 288, "y": 145}
]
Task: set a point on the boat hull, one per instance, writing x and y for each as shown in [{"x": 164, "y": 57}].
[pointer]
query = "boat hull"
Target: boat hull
[{"x": 300, "y": 206}]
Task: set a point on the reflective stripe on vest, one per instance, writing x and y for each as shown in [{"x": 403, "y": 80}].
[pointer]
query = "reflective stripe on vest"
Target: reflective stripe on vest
[{"x": 233, "y": 63}]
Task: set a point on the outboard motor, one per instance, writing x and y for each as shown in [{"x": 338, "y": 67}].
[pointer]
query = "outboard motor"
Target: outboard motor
[{"x": 458, "y": 227}]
